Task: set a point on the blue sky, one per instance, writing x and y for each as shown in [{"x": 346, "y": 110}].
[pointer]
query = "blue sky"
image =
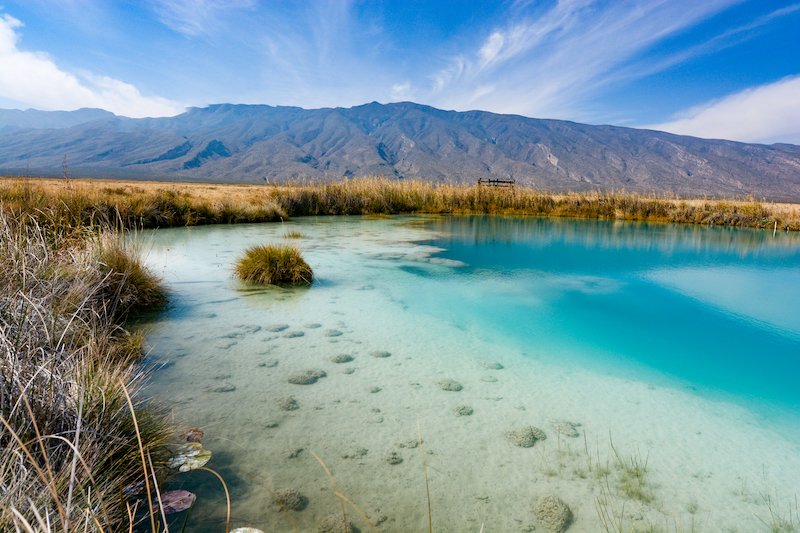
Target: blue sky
[{"x": 712, "y": 68}]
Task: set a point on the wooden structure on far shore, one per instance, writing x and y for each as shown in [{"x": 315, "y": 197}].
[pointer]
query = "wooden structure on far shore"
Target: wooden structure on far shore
[{"x": 496, "y": 182}]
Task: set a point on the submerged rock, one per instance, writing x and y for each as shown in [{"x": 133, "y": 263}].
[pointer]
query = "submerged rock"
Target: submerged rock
[
  {"x": 307, "y": 377},
  {"x": 566, "y": 428},
  {"x": 526, "y": 437},
  {"x": 450, "y": 385},
  {"x": 409, "y": 444},
  {"x": 224, "y": 388},
  {"x": 293, "y": 334},
  {"x": 293, "y": 453},
  {"x": 333, "y": 333},
  {"x": 355, "y": 454},
  {"x": 380, "y": 354},
  {"x": 393, "y": 458},
  {"x": 313, "y": 325},
  {"x": 373, "y": 390},
  {"x": 552, "y": 513},
  {"x": 342, "y": 358},
  {"x": 335, "y": 523},
  {"x": 288, "y": 404},
  {"x": 491, "y": 365},
  {"x": 289, "y": 499},
  {"x": 349, "y": 370},
  {"x": 277, "y": 328},
  {"x": 463, "y": 410}
]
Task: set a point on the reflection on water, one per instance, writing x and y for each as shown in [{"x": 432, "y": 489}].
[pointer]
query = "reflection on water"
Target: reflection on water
[{"x": 680, "y": 341}]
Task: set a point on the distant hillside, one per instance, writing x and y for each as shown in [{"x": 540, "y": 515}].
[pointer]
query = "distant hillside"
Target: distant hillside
[{"x": 249, "y": 143}]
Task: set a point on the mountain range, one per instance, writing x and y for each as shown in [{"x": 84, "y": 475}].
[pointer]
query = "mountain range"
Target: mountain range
[{"x": 258, "y": 143}]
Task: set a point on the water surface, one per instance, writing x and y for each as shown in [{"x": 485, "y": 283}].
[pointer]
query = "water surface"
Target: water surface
[{"x": 679, "y": 344}]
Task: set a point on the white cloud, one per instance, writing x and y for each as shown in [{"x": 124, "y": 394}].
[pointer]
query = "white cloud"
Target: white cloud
[
  {"x": 767, "y": 113},
  {"x": 33, "y": 79},
  {"x": 402, "y": 91}
]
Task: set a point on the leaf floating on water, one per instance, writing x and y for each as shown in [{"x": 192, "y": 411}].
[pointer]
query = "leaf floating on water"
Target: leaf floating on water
[
  {"x": 190, "y": 456},
  {"x": 176, "y": 501},
  {"x": 192, "y": 435}
]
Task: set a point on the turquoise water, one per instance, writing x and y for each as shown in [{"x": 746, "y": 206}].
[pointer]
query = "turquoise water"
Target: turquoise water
[
  {"x": 680, "y": 345},
  {"x": 716, "y": 308}
]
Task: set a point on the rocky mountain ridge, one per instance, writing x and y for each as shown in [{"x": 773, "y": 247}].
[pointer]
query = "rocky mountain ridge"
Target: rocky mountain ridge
[{"x": 258, "y": 143}]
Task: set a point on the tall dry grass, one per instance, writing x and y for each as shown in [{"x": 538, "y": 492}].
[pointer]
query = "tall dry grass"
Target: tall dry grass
[
  {"x": 69, "y": 458},
  {"x": 134, "y": 205},
  {"x": 157, "y": 204},
  {"x": 377, "y": 195}
]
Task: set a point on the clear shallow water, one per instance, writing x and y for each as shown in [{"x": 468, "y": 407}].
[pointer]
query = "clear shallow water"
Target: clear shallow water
[{"x": 681, "y": 342}]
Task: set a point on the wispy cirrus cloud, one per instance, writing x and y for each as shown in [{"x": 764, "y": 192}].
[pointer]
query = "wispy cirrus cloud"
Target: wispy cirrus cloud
[
  {"x": 550, "y": 64},
  {"x": 193, "y": 18},
  {"x": 34, "y": 79},
  {"x": 767, "y": 113}
]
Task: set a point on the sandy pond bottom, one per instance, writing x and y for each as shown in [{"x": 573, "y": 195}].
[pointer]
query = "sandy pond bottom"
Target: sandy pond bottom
[{"x": 628, "y": 447}]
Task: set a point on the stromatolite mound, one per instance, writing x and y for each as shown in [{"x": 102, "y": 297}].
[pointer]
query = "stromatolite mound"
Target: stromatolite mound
[
  {"x": 307, "y": 377},
  {"x": 342, "y": 358},
  {"x": 393, "y": 458},
  {"x": 552, "y": 513},
  {"x": 463, "y": 410},
  {"x": 567, "y": 428},
  {"x": 288, "y": 404},
  {"x": 380, "y": 354},
  {"x": 335, "y": 523},
  {"x": 526, "y": 437},
  {"x": 450, "y": 385},
  {"x": 290, "y": 499}
]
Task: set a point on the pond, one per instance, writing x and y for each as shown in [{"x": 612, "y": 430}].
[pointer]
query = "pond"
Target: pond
[{"x": 660, "y": 362}]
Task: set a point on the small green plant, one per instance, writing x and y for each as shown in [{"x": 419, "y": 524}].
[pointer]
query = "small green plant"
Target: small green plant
[
  {"x": 274, "y": 264},
  {"x": 632, "y": 480}
]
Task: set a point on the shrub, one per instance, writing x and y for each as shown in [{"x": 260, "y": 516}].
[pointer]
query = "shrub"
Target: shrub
[{"x": 274, "y": 264}]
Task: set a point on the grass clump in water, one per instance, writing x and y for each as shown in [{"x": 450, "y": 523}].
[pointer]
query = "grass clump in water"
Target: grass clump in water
[{"x": 274, "y": 264}]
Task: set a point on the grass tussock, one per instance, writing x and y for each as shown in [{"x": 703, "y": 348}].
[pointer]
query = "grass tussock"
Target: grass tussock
[
  {"x": 274, "y": 264},
  {"x": 69, "y": 458}
]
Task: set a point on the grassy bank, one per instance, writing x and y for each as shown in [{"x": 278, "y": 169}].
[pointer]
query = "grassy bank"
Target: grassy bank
[
  {"x": 156, "y": 204},
  {"x": 69, "y": 453}
]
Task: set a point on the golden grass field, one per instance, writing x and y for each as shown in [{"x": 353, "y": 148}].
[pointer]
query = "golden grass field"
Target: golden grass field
[{"x": 152, "y": 204}]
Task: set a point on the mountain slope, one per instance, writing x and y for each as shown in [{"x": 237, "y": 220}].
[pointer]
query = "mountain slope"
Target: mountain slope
[{"x": 249, "y": 143}]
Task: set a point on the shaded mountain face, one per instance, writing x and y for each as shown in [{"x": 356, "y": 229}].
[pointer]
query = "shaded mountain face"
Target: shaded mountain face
[{"x": 256, "y": 143}]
